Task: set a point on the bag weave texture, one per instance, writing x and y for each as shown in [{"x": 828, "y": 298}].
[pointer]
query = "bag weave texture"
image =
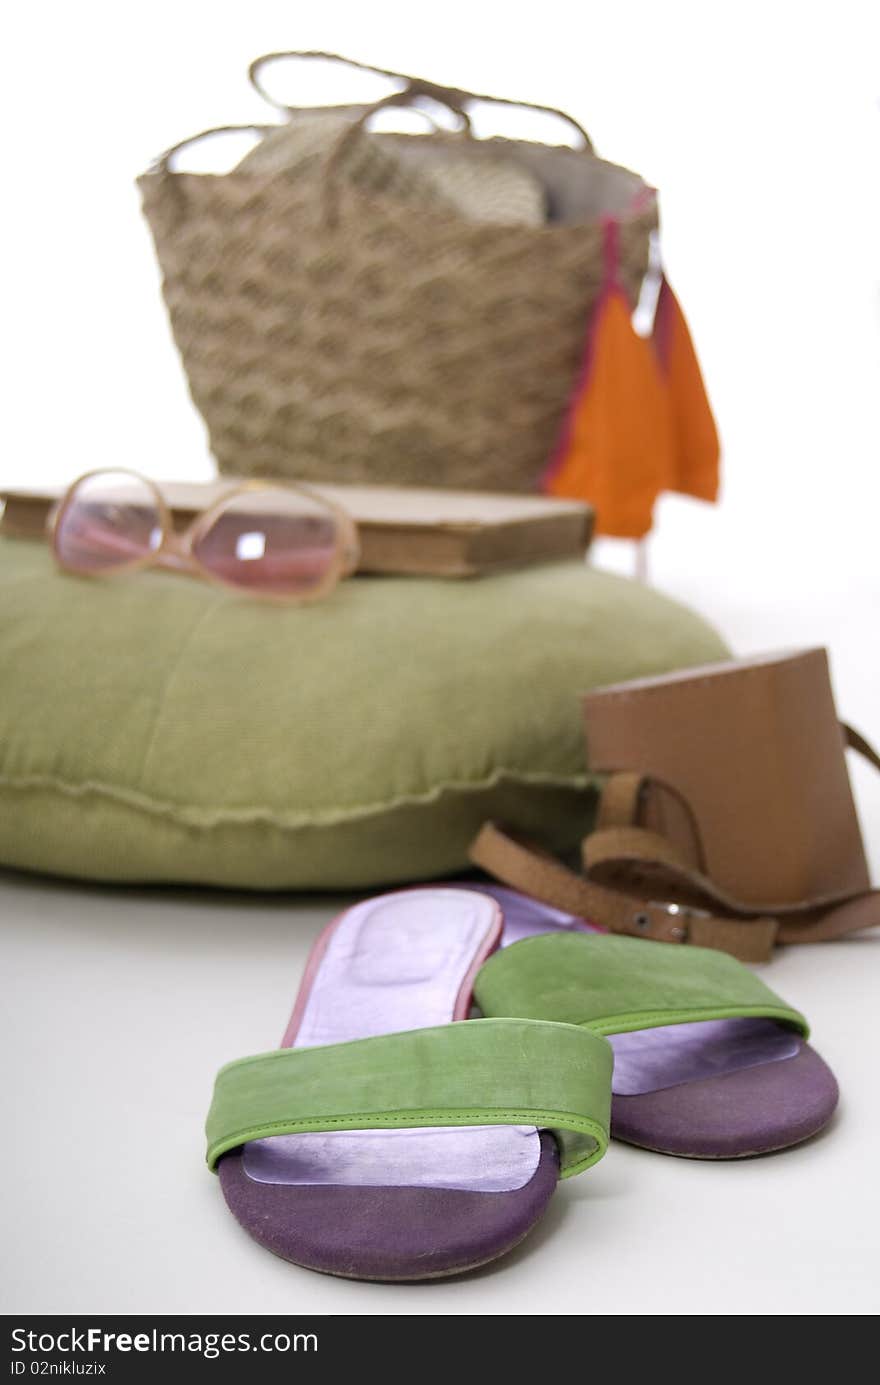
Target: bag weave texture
[{"x": 336, "y": 331}]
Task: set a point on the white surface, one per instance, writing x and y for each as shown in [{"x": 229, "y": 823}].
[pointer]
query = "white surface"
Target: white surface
[
  {"x": 760, "y": 125},
  {"x": 119, "y": 1008}
]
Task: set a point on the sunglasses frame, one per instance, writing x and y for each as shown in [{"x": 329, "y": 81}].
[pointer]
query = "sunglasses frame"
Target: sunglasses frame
[{"x": 175, "y": 551}]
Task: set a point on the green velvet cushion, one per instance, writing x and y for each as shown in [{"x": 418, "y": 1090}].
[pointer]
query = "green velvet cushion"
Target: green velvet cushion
[{"x": 155, "y": 728}]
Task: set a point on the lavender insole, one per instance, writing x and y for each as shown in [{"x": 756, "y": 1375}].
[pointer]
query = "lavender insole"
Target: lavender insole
[
  {"x": 394, "y": 963},
  {"x": 649, "y": 1060},
  {"x": 525, "y": 917}
]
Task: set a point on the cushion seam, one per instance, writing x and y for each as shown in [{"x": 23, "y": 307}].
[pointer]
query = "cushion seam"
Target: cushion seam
[{"x": 198, "y": 816}]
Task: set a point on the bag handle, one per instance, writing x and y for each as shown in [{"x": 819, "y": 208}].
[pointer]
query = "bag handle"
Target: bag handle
[
  {"x": 163, "y": 163},
  {"x": 161, "y": 166},
  {"x": 353, "y": 131},
  {"x": 454, "y": 98}
]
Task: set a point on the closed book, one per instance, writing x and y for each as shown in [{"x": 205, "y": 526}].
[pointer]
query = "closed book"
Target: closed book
[{"x": 438, "y": 533}]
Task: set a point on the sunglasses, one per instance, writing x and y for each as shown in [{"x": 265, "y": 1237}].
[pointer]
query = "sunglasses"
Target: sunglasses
[{"x": 275, "y": 541}]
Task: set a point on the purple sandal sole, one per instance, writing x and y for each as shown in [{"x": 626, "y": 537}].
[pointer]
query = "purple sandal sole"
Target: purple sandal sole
[
  {"x": 390, "y": 1234},
  {"x": 755, "y": 1110}
]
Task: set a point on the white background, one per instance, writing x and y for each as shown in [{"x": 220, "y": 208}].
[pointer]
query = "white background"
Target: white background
[{"x": 760, "y": 124}]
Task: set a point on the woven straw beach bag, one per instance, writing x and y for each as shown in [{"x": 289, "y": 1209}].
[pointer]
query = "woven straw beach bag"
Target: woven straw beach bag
[{"x": 346, "y": 310}]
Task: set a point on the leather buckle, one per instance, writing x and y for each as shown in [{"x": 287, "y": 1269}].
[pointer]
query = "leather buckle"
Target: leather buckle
[
  {"x": 674, "y": 925},
  {"x": 749, "y": 939}
]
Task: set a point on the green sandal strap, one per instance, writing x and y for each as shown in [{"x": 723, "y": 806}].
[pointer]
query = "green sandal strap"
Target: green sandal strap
[
  {"x": 475, "y": 1072},
  {"x": 612, "y": 984}
]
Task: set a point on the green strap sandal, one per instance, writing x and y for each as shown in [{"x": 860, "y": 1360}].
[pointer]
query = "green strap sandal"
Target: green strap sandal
[
  {"x": 482, "y": 1072},
  {"x": 408, "y": 1153},
  {"x": 709, "y": 1062}
]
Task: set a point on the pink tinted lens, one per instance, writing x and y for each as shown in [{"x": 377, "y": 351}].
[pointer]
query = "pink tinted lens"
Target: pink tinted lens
[
  {"x": 272, "y": 541},
  {"x": 110, "y": 520}
]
